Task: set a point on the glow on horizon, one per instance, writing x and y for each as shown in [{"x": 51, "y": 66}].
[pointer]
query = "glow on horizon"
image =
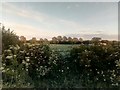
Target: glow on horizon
[{"x": 67, "y": 19}]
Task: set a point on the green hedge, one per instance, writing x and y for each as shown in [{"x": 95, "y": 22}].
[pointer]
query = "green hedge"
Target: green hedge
[{"x": 32, "y": 65}]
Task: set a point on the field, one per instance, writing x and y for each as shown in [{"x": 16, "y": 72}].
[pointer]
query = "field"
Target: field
[{"x": 63, "y": 47}]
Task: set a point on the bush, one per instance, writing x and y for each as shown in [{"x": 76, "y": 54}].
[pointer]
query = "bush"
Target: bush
[
  {"x": 8, "y": 38},
  {"x": 36, "y": 65},
  {"x": 95, "y": 64}
]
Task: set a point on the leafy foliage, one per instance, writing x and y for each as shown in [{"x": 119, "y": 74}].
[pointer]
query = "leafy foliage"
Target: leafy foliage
[{"x": 8, "y": 38}]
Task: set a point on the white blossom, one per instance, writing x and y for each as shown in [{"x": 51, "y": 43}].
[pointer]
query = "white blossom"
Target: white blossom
[{"x": 9, "y": 57}]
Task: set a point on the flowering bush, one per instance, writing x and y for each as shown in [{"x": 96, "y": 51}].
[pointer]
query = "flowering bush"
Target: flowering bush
[
  {"x": 96, "y": 65},
  {"x": 13, "y": 74},
  {"x": 36, "y": 65},
  {"x": 35, "y": 61}
]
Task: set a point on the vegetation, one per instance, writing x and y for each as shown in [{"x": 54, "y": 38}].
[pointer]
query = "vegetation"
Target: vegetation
[
  {"x": 43, "y": 65},
  {"x": 8, "y": 38}
]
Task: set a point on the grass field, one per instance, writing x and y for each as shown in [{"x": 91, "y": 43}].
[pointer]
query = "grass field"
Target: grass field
[{"x": 63, "y": 48}]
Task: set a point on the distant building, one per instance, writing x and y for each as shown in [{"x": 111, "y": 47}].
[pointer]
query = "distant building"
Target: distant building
[{"x": 23, "y": 39}]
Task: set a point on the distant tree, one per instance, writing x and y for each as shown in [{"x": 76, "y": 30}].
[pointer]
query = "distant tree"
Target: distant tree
[
  {"x": 65, "y": 38},
  {"x": 80, "y": 39},
  {"x": 59, "y": 38},
  {"x": 46, "y": 41},
  {"x": 54, "y": 40},
  {"x": 86, "y": 42},
  {"x": 96, "y": 40},
  {"x": 75, "y": 40},
  {"x": 23, "y": 39},
  {"x": 41, "y": 40},
  {"x": 70, "y": 39},
  {"x": 33, "y": 40}
]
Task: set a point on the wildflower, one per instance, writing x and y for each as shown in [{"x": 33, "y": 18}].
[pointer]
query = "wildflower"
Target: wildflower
[
  {"x": 96, "y": 78},
  {"x": 23, "y": 62},
  {"x": 21, "y": 51},
  {"x": 104, "y": 79},
  {"x": 26, "y": 69},
  {"x": 27, "y": 59},
  {"x": 9, "y": 51},
  {"x": 27, "y": 64},
  {"x": 101, "y": 72},
  {"x": 67, "y": 67},
  {"x": 98, "y": 72},
  {"x": 7, "y": 69},
  {"x": 14, "y": 56},
  {"x": 9, "y": 57},
  {"x": 1, "y": 68},
  {"x": 12, "y": 70}
]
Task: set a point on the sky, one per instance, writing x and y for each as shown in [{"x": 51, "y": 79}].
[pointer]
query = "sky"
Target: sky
[{"x": 49, "y": 19}]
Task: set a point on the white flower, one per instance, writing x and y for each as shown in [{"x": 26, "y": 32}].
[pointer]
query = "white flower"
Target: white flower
[
  {"x": 11, "y": 47},
  {"x": 1, "y": 68},
  {"x": 104, "y": 79},
  {"x": 17, "y": 47},
  {"x": 21, "y": 51},
  {"x": 98, "y": 72},
  {"x": 27, "y": 60},
  {"x": 117, "y": 63},
  {"x": 8, "y": 69},
  {"x": 9, "y": 57},
  {"x": 41, "y": 66},
  {"x": 101, "y": 72},
  {"x": 23, "y": 62},
  {"x": 26, "y": 69},
  {"x": 12, "y": 70},
  {"x": 111, "y": 78},
  {"x": 14, "y": 55},
  {"x": 9, "y": 51},
  {"x": 27, "y": 64},
  {"x": 116, "y": 84},
  {"x": 114, "y": 75},
  {"x": 67, "y": 67}
]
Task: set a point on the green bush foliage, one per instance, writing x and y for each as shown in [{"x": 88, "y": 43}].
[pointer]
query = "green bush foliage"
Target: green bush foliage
[{"x": 8, "y": 38}]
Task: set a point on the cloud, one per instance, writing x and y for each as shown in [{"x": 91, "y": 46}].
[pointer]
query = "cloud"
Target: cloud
[
  {"x": 29, "y": 31},
  {"x": 57, "y": 24},
  {"x": 49, "y": 26}
]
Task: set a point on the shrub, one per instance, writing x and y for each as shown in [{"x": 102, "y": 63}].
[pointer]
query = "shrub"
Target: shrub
[
  {"x": 8, "y": 38},
  {"x": 95, "y": 64}
]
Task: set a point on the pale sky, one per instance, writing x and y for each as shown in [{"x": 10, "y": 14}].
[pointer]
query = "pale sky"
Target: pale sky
[{"x": 49, "y": 19}]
